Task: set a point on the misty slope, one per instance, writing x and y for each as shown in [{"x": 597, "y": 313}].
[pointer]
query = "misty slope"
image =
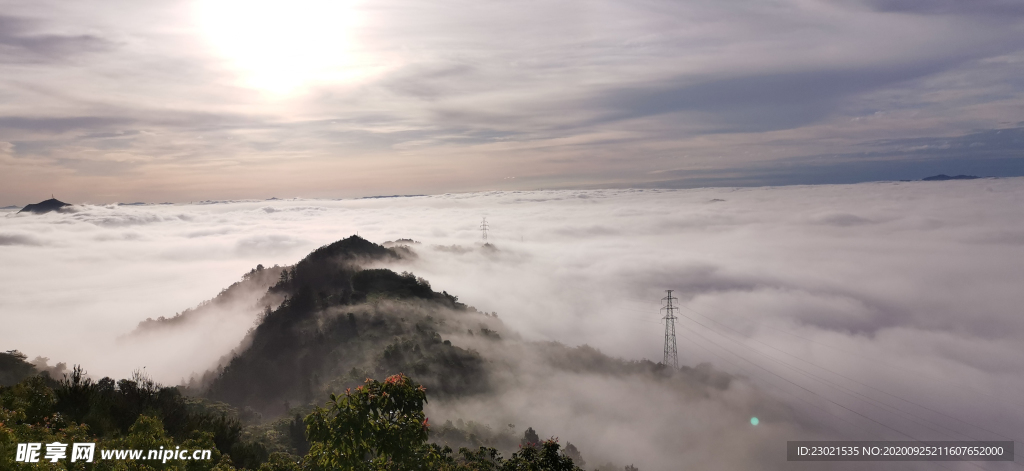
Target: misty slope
[
  {"x": 342, "y": 321},
  {"x": 248, "y": 294}
]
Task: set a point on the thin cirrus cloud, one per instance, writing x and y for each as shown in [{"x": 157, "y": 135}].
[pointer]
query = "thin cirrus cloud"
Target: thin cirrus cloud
[
  {"x": 429, "y": 98},
  {"x": 20, "y": 42},
  {"x": 986, "y": 8},
  {"x": 984, "y": 153}
]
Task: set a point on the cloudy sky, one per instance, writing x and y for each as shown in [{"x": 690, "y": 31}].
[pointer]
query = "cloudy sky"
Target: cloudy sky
[{"x": 104, "y": 101}]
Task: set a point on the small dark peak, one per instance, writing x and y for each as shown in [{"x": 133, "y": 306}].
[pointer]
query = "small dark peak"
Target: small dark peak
[
  {"x": 943, "y": 177},
  {"x": 388, "y": 284},
  {"x": 717, "y": 200},
  {"x": 43, "y": 207},
  {"x": 350, "y": 248}
]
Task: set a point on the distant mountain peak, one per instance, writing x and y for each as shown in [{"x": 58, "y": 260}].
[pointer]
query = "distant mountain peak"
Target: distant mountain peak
[
  {"x": 44, "y": 207},
  {"x": 944, "y": 177}
]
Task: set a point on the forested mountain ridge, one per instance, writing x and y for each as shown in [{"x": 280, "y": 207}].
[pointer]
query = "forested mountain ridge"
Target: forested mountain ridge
[
  {"x": 339, "y": 324},
  {"x": 329, "y": 324}
]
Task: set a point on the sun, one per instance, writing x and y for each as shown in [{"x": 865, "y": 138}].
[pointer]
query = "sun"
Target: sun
[{"x": 281, "y": 45}]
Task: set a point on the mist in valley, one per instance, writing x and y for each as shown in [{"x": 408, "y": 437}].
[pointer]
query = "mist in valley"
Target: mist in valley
[{"x": 869, "y": 311}]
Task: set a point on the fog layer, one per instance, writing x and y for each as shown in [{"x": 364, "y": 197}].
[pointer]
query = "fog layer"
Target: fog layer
[{"x": 880, "y": 311}]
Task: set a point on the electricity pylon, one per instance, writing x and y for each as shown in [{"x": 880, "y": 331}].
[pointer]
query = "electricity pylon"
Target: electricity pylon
[
  {"x": 483, "y": 229},
  {"x": 671, "y": 355}
]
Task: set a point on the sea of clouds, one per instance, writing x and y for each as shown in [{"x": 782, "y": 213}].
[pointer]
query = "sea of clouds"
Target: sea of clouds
[{"x": 881, "y": 310}]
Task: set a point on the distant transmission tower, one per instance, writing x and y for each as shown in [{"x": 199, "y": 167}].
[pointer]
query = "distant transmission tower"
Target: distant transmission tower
[
  {"x": 483, "y": 229},
  {"x": 670, "y": 330}
]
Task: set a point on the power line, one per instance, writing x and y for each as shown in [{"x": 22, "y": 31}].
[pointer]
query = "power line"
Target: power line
[
  {"x": 805, "y": 389},
  {"x": 670, "y": 320},
  {"x": 859, "y": 383},
  {"x": 753, "y": 376},
  {"x": 813, "y": 376},
  {"x": 873, "y": 401},
  {"x": 881, "y": 362},
  {"x": 843, "y": 389},
  {"x": 906, "y": 415}
]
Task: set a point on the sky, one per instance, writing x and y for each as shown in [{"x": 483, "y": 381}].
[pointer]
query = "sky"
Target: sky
[
  {"x": 897, "y": 300},
  {"x": 178, "y": 101}
]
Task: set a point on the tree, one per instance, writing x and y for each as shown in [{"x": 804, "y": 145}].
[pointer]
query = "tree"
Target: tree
[
  {"x": 378, "y": 426},
  {"x": 540, "y": 458},
  {"x": 572, "y": 452},
  {"x": 530, "y": 438},
  {"x": 280, "y": 462},
  {"x": 32, "y": 397},
  {"x": 14, "y": 368}
]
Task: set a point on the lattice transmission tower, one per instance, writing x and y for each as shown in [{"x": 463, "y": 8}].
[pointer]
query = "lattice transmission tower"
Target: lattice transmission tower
[
  {"x": 671, "y": 355},
  {"x": 483, "y": 229}
]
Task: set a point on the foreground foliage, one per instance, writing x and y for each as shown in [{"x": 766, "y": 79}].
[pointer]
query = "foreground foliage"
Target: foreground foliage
[
  {"x": 379, "y": 426},
  {"x": 126, "y": 414}
]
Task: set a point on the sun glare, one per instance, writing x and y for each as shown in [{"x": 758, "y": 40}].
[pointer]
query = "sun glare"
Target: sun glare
[{"x": 281, "y": 45}]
